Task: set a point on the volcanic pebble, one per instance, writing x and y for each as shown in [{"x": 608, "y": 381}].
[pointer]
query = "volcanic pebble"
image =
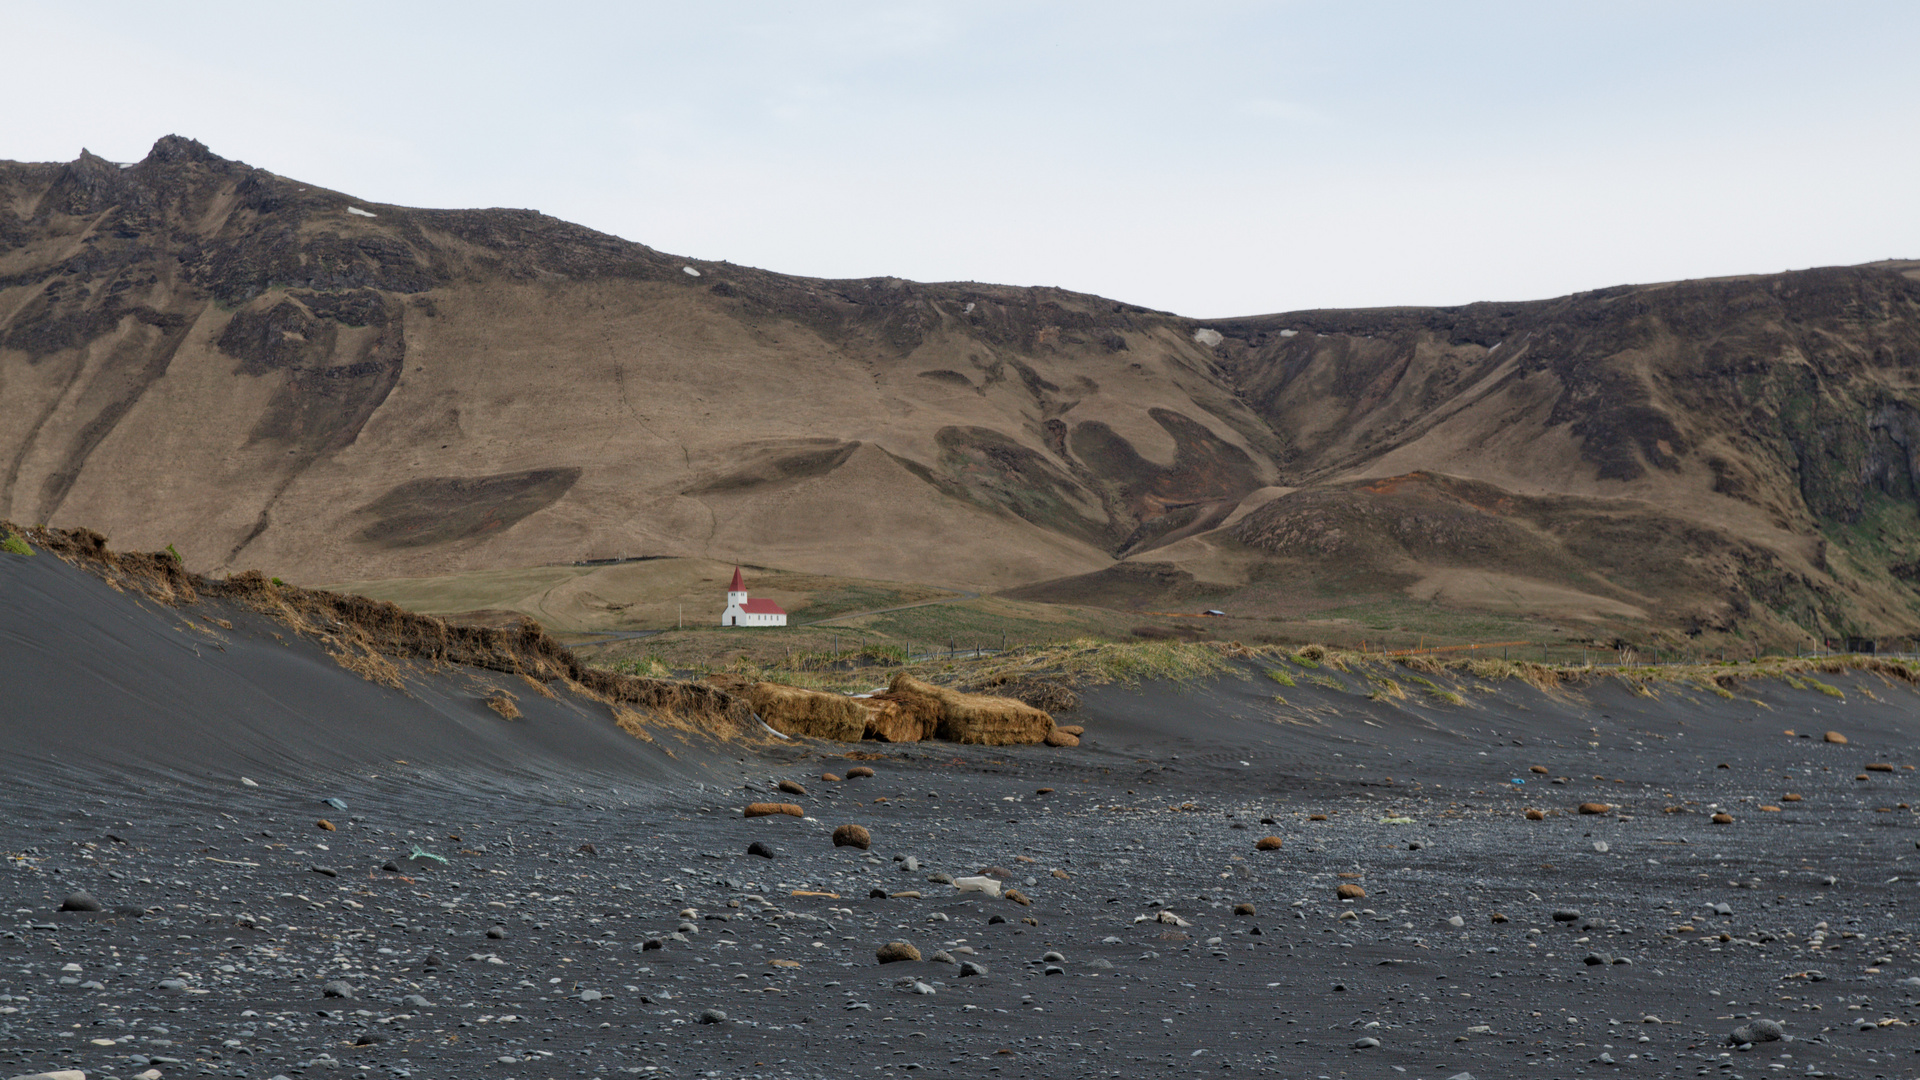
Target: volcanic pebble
[
  {"x": 1723, "y": 819},
  {"x": 1244, "y": 909},
  {"x": 1268, "y": 843},
  {"x": 81, "y": 901},
  {"x": 1535, "y": 815},
  {"x": 852, "y": 836},
  {"x": 769, "y": 809},
  {"x": 760, "y": 849},
  {"x": 1350, "y": 891},
  {"x": 791, "y": 788},
  {"x": 858, "y": 770},
  {"x": 895, "y": 951}
]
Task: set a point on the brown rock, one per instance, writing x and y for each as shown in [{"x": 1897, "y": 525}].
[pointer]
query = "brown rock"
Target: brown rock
[
  {"x": 1072, "y": 729},
  {"x": 1350, "y": 891},
  {"x": 1535, "y": 815},
  {"x": 769, "y": 809},
  {"x": 1061, "y": 874},
  {"x": 1316, "y": 817},
  {"x": 1722, "y": 819},
  {"x": 852, "y": 836},
  {"x": 1497, "y": 917},
  {"x": 1769, "y": 809},
  {"x": 1056, "y": 737},
  {"x": 858, "y": 771},
  {"x": 1879, "y": 766},
  {"x": 1541, "y": 769},
  {"x": 1863, "y": 776},
  {"x": 323, "y": 823},
  {"x": 895, "y": 718},
  {"x": 1018, "y": 897},
  {"x": 1268, "y": 843},
  {"x": 1594, "y": 807},
  {"x": 1000, "y": 872},
  {"x": 829, "y": 778},
  {"x": 792, "y": 788},
  {"x": 1836, "y": 738},
  {"x": 1043, "y": 791},
  {"x": 1789, "y": 797},
  {"x": 1244, "y": 909},
  {"x": 895, "y": 951}
]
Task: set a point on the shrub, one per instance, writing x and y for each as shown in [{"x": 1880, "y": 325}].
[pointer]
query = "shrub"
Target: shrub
[{"x": 15, "y": 545}]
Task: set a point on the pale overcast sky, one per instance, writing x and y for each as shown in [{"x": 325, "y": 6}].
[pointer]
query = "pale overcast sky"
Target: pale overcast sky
[{"x": 1208, "y": 158}]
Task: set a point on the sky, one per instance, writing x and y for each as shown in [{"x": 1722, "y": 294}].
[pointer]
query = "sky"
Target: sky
[{"x": 1211, "y": 159}]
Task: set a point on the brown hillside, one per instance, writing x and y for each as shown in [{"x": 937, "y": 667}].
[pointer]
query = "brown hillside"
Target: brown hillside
[{"x": 267, "y": 374}]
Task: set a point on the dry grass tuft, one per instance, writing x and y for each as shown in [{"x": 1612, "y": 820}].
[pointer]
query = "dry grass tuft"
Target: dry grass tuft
[{"x": 503, "y": 702}]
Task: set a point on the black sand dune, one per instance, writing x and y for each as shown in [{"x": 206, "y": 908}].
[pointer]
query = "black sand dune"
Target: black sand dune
[
  {"x": 598, "y": 913},
  {"x": 108, "y": 682}
]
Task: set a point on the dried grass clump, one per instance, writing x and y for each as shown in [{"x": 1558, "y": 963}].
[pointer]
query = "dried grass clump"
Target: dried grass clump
[
  {"x": 972, "y": 718},
  {"x": 502, "y": 702},
  {"x": 1043, "y": 694},
  {"x": 813, "y": 714}
]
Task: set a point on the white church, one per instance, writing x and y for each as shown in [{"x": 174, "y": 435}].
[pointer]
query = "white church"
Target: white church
[{"x": 744, "y": 612}]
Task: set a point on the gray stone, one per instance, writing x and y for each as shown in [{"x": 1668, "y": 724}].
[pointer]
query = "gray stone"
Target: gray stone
[
  {"x": 1566, "y": 915},
  {"x": 968, "y": 967},
  {"x": 1053, "y": 958},
  {"x": 497, "y": 933},
  {"x": 940, "y": 878},
  {"x": 1367, "y": 1043},
  {"x": 760, "y": 849},
  {"x": 338, "y": 988},
  {"x": 712, "y": 1016},
  {"x": 416, "y": 1001},
  {"x": 80, "y": 900},
  {"x": 1456, "y": 922}
]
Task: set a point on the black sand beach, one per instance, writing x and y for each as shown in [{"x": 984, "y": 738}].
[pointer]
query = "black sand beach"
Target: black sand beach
[{"x": 550, "y": 896}]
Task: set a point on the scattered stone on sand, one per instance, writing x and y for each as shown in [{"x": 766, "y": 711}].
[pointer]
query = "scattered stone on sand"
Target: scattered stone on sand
[
  {"x": 323, "y": 871},
  {"x": 1879, "y": 766},
  {"x": 1350, "y": 891},
  {"x": 761, "y": 849},
  {"x": 829, "y": 778},
  {"x": 1245, "y": 909},
  {"x": 895, "y": 951},
  {"x": 1268, "y": 843},
  {"x": 1789, "y": 797},
  {"x": 1458, "y": 922},
  {"x": 1535, "y": 815},
  {"x": 1595, "y": 807},
  {"x": 1836, "y": 738},
  {"x": 969, "y": 968},
  {"x": 1019, "y": 897},
  {"x": 1497, "y": 917},
  {"x": 1722, "y": 819},
  {"x": 1541, "y": 769},
  {"x": 1769, "y": 808},
  {"x": 338, "y": 988},
  {"x": 323, "y": 823},
  {"x": 1566, "y": 915},
  {"x": 712, "y": 1016},
  {"x": 1755, "y": 1031},
  {"x": 852, "y": 836},
  {"x": 858, "y": 771},
  {"x": 1316, "y": 817},
  {"x": 1060, "y": 737},
  {"x": 57, "y": 1074},
  {"x": 81, "y": 900},
  {"x": 791, "y": 788},
  {"x": 980, "y": 883},
  {"x": 770, "y": 809},
  {"x": 1367, "y": 1043}
]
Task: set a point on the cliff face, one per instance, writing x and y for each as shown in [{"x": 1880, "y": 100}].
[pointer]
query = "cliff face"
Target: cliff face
[{"x": 268, "y": 374}]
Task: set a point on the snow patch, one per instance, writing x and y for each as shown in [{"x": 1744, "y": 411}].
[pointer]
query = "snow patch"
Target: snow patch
[
  {"x": 1207, "y": 337},
  {"x": 357, "y": 212},
  {"x": 968, "y": 310},
  {"x": 1288, "y": 332},
  {"x": 127, "y": 164},
  {"x": 689, "y": 271}
]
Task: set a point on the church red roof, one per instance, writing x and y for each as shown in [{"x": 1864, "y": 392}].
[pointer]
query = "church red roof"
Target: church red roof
[
  {"x": 738, "y": 585},
  {"x": 762, "y": 607}
]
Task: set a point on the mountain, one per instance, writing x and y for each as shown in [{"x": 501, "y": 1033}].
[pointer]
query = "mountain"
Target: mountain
[{"x": 269, "y": 374}]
